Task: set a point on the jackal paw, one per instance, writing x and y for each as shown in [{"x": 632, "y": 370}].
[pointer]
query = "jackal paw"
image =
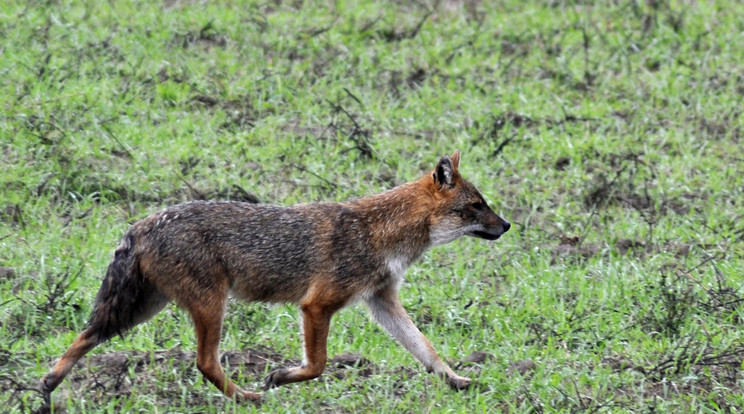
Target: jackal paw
[
  {"x": 46, "y": 386},
  {"x": 275, "y": 378},
  {"x": 459, "y": 383},
  {"x": 48, "y": 383},
  {"x": 253, "y": 397}
]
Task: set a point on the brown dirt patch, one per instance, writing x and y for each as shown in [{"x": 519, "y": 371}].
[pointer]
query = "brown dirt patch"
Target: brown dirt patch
[{"x": 101, "y": 378}]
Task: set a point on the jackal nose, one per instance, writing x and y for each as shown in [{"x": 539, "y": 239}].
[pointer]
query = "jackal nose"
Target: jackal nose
[{"x": 507, "y": 226}]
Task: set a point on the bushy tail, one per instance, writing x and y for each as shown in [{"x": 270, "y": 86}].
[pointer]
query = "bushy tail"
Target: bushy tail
[
  {"x": 125, "y": 297},
  {"x": 124, "y": 300}
]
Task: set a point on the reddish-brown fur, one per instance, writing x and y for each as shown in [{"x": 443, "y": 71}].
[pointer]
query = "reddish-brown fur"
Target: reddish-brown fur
[{"x": 321, "y": 256}]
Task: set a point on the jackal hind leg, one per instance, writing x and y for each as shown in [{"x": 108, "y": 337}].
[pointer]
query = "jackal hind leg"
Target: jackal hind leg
[
  {"x": 316, "y": 321},
  {"x": 208, "y": 325},
  {"x": 149, "y": 301},
  {"x": 84, "y": 343}
]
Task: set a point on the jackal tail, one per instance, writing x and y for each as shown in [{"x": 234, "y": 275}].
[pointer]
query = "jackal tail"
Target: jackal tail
[{"x": 124, "y": 300}]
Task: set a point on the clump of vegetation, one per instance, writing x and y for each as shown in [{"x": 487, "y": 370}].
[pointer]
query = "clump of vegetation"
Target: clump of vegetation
[{"x": 609, "y": 134}]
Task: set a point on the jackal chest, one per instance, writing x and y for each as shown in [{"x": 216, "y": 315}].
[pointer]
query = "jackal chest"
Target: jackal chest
[
  {"x": 390, "y": 274},
  {"x": 394, "y": 271},
  {"x": 397, "y": 266}
]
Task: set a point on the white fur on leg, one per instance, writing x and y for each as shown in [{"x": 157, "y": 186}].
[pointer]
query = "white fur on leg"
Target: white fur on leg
[{"x": 391, "y": 316}]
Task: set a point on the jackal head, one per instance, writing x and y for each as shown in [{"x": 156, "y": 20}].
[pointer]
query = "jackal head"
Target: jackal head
[{"x": 461, "y": 209}]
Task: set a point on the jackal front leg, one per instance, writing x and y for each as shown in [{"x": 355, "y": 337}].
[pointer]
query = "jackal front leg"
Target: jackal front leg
[{"x": 388, "y": 312}]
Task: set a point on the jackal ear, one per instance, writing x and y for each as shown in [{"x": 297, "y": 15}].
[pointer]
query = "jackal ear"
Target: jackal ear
[
  {"x": 443, "y": 172},
  {"x": 456, "y": 161}
]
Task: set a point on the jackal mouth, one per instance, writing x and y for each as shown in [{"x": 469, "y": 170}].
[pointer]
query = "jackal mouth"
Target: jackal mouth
[{"x": 485, "y": 234}]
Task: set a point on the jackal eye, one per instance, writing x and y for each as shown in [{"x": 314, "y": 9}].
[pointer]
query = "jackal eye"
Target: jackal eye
[{"x": 479, "y": 205}]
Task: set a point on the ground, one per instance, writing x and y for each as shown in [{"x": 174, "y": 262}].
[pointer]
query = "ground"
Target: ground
[{"x": 608, "y": 133}]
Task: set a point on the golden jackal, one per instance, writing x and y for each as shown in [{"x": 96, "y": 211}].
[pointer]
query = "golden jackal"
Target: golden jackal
[{"x": 321, "y": 256}]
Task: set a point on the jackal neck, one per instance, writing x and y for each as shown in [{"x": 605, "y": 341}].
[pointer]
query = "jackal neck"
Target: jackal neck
[{"x": 399, "y": 220}]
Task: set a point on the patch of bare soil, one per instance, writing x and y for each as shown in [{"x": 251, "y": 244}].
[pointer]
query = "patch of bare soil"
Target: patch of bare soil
[
  {"x": 115, "y": 374},
  {"x": 687, "y": 369},
  {"x": 523, "y": 367},
  {"x": 7, "y": 273},
  {"x": 493, "y": 130},
  {"x": 206, "y": 37},
  {"x": 12, "y": 214},
  {"x": 101, "y": 378},
  {"x": 241, "y": 115},
  {"x": 234, "y": 193},
  {"x": 340, "y": 365},
  {"x": 628, "y": 180},
  {"x": 573, "y": 246}
]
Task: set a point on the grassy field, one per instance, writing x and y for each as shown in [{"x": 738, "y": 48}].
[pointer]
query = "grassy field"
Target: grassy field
[{"x": 610, "y": 135}]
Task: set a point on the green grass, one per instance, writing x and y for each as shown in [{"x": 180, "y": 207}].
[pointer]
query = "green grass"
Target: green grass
[{"x": 609, "y": 134}]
